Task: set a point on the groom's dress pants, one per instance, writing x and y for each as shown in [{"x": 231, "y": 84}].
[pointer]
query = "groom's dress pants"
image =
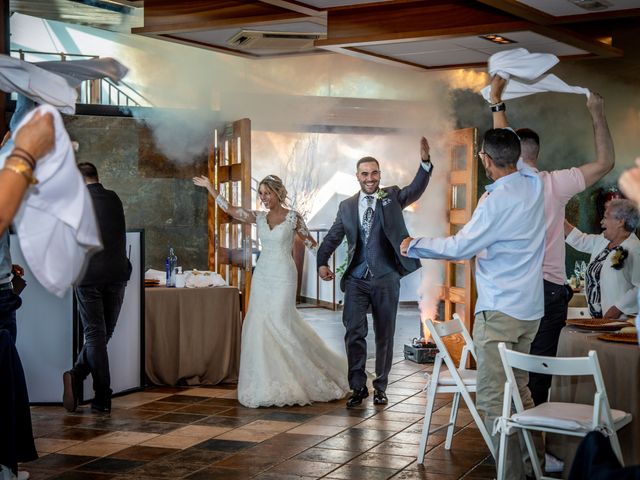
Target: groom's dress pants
[{"x": 382, "y": 295}]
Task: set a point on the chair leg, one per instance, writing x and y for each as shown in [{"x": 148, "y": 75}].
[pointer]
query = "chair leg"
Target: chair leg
[
  {"x": 533, "y": 454},
  {"x": 615, "y": 446},
  {"x": 452, "y": 420},
  {"x": 502, "y": 455},
  {"x": 480, "y": 423},
  {"x": 428, "y": 411}
]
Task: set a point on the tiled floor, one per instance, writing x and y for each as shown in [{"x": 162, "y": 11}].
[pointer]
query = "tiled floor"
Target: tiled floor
[{"x": 204, "y": 433}]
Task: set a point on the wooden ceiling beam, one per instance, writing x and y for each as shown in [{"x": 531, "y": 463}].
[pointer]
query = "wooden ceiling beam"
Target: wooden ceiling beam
[
  {"x": 296, "y": 7},
  {"x": 512, "y": 7},
  {"x": 169, "y": 17},
  {"x": 414, "y": 20}
]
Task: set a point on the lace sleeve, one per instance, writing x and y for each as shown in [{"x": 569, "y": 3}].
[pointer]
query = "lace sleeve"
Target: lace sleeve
[
  {"x": 247, "y": 216},
  {"x": 305, "y": 235}
]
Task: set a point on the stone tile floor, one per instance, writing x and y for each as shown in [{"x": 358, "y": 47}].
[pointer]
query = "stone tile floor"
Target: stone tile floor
[{"x": 204, "y": 433}]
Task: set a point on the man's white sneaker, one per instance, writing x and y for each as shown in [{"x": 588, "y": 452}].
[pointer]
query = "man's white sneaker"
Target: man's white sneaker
[{"x": 552, "y": 464}]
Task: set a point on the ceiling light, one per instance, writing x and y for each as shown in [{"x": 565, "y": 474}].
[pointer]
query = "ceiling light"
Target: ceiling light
[
  {"x": 592, "y": 5},
  {"x": 499, "y": 39}
]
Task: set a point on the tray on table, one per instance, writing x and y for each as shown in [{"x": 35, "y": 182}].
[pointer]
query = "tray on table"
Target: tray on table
[
  {"x": 619, "y": 337},
  {"x": 597, "y": 324}
]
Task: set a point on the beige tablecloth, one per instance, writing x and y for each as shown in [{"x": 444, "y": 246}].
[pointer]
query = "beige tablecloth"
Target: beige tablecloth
[
  {"x": 620, "y": 365},
  {"x": 192, "y": 335}
]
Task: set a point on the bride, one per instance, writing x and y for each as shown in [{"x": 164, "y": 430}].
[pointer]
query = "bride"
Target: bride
[{"x": 283, "y": 361}]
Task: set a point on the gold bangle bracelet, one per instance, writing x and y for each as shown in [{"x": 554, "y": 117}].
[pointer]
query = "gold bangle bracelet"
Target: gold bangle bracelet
[{"x": 21, "y": 169}]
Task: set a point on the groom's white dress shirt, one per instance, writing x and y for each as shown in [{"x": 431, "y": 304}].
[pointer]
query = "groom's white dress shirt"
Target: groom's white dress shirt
[
  {"x": 506, "y": 234},
  {"x": 363, "y": 204}
]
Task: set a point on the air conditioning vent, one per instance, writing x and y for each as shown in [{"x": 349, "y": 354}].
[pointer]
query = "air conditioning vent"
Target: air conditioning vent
[
  {"x": 592, "y": 5},
  {"x": 257, "y": 40}
]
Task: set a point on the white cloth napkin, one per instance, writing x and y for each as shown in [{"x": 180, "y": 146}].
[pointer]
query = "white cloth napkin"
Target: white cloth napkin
[
  {"x": 525, "y": 74},
  {"x": 152, "y": 274},
  {"x": 77, "y": 71},
  {"x": 55, "y": 83},
  {"x": 37, "y": 84},
  {"x": 201, "y": 279},
  {"x": 56, "y": 224}
]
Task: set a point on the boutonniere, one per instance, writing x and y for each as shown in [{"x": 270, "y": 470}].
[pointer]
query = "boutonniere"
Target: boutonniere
[
  {"x": 618, "y": 257},
  {"x": 381, "y": 194}
]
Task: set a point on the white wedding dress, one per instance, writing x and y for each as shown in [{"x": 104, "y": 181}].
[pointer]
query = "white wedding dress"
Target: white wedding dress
[{"x": 283, "y": 361}]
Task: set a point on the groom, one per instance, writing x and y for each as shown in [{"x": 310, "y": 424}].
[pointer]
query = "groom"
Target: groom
[{"x": 373, "y": 223}]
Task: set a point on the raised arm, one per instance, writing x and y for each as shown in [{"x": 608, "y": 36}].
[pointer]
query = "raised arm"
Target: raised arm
[
  {"x": 583, "y": 242},
  {"x": 497, "y": 105},
  {"x": 418, "y": 185},
  {"x": 605, "y": 155},
  {"x": 305, "y": 235},
  {"x": 239, "y": 213}
]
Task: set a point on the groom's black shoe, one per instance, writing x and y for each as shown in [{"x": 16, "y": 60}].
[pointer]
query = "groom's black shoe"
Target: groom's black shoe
[
  {"x": 357, "y": 396},
  {"x": 380, "y": 398}
]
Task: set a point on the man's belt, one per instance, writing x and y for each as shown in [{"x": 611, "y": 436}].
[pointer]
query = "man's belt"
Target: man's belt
[{"x": 6, "y": 286}]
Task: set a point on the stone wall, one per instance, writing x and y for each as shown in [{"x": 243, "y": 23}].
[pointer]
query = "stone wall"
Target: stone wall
[{"x": 158, "y": 196}]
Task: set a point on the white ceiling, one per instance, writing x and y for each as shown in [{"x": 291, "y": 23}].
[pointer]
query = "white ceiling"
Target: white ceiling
[
  {"x": 468, "y": 49},
  {"x": 559, "y": 8}
]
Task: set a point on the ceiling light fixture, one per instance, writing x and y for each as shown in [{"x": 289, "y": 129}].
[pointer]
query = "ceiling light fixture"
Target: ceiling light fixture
[
  {"x": 592, "y": 5},
  {"x": 499, "y": 39}
]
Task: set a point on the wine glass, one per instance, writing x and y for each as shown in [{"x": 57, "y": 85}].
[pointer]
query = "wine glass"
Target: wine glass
[
  {"x": 577, "y": 270},
  {"x": 583, "y": 271}
]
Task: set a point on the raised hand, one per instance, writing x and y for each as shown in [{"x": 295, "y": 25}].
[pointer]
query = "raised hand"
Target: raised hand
[
  {"x": 629, "y": 183},
  {"x": 202, "y": 181},
  {"x": 424, "y": 150},
  {"x": 595, "y": 104},
  {"x": 37, "y": 136}
]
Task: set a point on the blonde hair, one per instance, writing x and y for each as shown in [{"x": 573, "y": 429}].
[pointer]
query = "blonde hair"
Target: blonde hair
[{"x": 274, "y": 183}]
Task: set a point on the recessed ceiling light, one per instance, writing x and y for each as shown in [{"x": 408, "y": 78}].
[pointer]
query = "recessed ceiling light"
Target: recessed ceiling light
[
  {"x": 499, "y": 39},
  {"x": 592, "y": 5}
]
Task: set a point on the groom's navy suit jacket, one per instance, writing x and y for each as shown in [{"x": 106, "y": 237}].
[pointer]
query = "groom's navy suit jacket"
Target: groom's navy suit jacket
[{"x": 389, "y": 212}]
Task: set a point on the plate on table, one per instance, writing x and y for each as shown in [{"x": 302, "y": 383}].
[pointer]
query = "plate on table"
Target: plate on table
[
  {"x": 597, "y": 324},
  {"x": 619, "y": 337}
]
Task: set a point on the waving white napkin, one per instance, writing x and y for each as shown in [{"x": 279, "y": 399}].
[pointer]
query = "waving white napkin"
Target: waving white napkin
[
  {"x": 525, "y": 74},
  {"x": 56, "y": 224},
  {"x": 55, "y": 83}
]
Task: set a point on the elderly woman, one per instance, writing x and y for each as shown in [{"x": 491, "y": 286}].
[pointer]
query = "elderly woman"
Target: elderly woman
[{"x": 613, "y": 273}]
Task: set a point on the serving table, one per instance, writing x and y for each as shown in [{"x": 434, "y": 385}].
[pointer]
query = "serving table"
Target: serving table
[{"x": 192, "y": 335}]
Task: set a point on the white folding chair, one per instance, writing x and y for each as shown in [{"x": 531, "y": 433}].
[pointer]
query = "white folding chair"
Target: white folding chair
[
  {"x": 457, "y": 380},
  {"x": 575, "y": 419},
  {"x": 578, "y": 312}
]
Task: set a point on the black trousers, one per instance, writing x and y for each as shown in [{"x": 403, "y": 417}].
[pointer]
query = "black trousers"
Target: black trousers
[
  {"x": 99, "y": 307},
  {"x": 16, "y": 435},
  {"x": 381, "y": 294},
  {"x": 556, "y": 302}
]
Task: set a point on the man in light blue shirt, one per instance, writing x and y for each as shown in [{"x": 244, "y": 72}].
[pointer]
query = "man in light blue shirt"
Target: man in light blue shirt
[{"x": 506, "y": 235}]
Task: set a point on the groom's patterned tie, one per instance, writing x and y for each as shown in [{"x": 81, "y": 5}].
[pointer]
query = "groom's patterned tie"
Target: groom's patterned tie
[{"x": 367, "y": 219}]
